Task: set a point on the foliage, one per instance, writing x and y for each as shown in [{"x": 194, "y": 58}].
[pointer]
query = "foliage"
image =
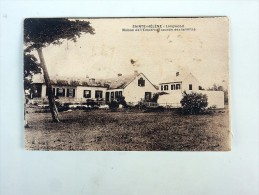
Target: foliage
[
  {"x": 41, "y": 32},
  {"x": 114, "y": 105},
  {"x": 91, "y": 103},
  {"x": 216, "y": 87},
  {"x": 121, "y": 100},
  {"x": 31, "y": 67},
  {"x": 194, "y": 103}
]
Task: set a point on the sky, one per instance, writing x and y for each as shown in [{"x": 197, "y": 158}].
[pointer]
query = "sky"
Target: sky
[{"x": 158, "y": 54}]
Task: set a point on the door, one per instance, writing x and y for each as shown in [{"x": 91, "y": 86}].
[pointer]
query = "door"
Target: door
[
  {"x": 107, "y": 96},
  {"x": 147, "y": 96}
]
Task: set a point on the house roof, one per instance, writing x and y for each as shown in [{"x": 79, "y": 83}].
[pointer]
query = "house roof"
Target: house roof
[
  {"x": 67, "y": 81},
  {"x": 119, "y": 82},
  {"x": 176, "y": 79}
]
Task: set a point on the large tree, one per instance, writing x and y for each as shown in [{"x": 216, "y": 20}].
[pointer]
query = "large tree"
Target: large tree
[{"x": 42, "y": 32}]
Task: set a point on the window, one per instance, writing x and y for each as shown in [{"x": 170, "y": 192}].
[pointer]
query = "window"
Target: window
[
  {"x": 118, "y": 94},
  {"x": 98, "y": 94},
  {"x": 190, "y": 86},
  {"x": 112, "y": 95},
  {"x": 60, "y": 92},
  {"x": 162, "y": 88},
  {"x": 37, "y": 89},
  {"x": 172, "y": 87},
  {"x": 166, "y": 87},
  {"x": 141, "y": 82},
  {"x": 87, "y": 93},
  {"x": 178, "y": 86},
  {"x": 71, "y": 92}
]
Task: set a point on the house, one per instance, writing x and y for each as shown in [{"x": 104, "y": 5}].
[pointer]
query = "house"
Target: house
[
  {"x": 179, "y": 83},
  {"x": 133, "y": 87},
  {"x": 175, "y": 85}
]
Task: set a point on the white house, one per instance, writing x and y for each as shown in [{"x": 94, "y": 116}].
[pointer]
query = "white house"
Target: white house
[
  {"x": 133, "y": 87},
  {"x": 176, "y": 84}
]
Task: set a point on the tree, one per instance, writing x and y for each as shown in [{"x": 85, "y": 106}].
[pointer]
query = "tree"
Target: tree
[
  {"x": 194, "y": 103},
  {"x": 40, "y": 33},
  {"x": 31, "y": 67}
]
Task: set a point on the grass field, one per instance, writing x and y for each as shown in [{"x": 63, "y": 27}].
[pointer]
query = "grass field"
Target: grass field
[{"x": 128, "y": 131}]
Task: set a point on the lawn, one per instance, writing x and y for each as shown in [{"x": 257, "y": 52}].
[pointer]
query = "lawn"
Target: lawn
[{"x": 128, "y": 131}]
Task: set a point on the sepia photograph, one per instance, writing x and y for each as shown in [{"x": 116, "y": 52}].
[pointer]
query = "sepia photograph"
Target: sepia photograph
[{"x": 127, "y": 84}]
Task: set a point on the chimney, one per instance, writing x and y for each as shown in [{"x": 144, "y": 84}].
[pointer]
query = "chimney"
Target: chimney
[
  {"x": 135, "y": 72},
  {"x": 107, "y": 84},
  {"x": 177, "y": 74},
  {"x": 119, "y": 74},
  {"x": 92, "y": 81}
]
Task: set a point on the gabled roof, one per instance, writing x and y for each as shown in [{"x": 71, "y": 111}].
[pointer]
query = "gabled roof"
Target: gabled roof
[
  {"x": 67, "y": 81},
  {"x": 119, "y": 82},
  {"x": 122, "y": 82},
  {"x": 176, "y": 79}
]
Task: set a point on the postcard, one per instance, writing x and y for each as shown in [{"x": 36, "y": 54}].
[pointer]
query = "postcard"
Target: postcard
[{"x": 127, "y": 84}]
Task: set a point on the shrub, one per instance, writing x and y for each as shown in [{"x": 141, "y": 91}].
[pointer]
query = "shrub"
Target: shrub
[
  {"x": 114, "y": 105},
  {"x": 91, "y": 103},
  {"x": 121, "y": 100},
  {"x": 194, "y": 103}
]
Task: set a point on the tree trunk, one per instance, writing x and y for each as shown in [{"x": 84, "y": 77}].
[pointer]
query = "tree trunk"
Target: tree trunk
[{"x": 52, "y": 105}]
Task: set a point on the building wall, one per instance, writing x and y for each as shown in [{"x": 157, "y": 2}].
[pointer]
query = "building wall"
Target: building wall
[
  {"x": 169, "y": 88},
  {"x": 114, "y": 90},
  {"x": 190, "y": 79},
  {"x": 43, "y": 92},
  {"x": 171, "y": 99},
  {"x": 134, "y": 93},
  {"x": 215, "y": 98},
  {"x": 80, "y": 91}
]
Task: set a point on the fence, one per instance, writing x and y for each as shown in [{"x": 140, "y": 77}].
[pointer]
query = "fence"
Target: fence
[
  {"x": 64, "y": 100},
  {"x": 155, "y": 105},
  {"x": 170, "y": 105},
  {"x": 102, "y": 102}
]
